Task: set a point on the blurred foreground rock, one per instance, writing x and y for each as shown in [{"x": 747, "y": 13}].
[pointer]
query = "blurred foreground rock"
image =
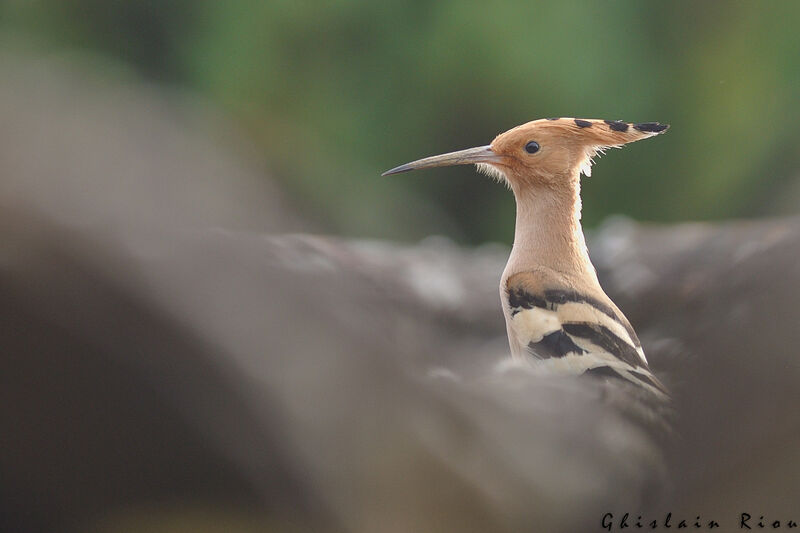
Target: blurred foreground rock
[{"x": 173, "y": 360}]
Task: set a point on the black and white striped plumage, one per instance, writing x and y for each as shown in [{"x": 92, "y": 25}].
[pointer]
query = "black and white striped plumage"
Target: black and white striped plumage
[{"x": 565, "y": 331}]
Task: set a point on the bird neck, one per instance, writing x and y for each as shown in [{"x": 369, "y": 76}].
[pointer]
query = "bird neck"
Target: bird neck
[{"x": 548, "y": 232}]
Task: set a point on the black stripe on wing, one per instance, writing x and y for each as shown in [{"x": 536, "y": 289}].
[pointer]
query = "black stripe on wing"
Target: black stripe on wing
[
  {"x": 605, "y": 339},
  {"x": 604, "y": 372},
  {"x": 562, "y": 296},
  {"x": 555, "y": 344},
  {"x": 629, "y": 376},
  {"x": 650, "y": 380},
  {"x": 519, "y": 299}
]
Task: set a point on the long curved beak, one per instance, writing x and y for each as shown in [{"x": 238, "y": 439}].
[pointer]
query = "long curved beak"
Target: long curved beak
[{"x": 481, "y": 154}]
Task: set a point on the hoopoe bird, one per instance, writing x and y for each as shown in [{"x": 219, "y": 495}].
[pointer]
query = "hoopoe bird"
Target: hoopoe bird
[{"x": 557, "y": 315}]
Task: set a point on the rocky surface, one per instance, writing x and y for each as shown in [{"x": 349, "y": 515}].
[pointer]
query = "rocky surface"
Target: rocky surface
[{"x": 173, "y": 358}]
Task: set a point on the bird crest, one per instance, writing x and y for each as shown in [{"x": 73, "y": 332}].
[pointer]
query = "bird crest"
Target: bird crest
[{"x": 548, "y": 148}]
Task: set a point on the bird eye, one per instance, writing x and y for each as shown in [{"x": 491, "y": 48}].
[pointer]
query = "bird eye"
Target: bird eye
[{"x": 532, "y": 147}]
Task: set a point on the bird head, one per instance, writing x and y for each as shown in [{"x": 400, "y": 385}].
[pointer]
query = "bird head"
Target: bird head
[{"x": 544, "y": 152}]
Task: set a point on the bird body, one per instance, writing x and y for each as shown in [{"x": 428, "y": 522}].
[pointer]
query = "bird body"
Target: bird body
[{"x": 558, "y": 317}]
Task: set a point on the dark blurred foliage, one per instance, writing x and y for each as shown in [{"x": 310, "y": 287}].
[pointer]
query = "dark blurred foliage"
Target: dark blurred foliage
[{"x": 335, "y": 92}]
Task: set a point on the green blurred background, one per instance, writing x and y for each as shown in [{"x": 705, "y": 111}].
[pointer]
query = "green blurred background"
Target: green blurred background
[{"x": 333, "y": 93}]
